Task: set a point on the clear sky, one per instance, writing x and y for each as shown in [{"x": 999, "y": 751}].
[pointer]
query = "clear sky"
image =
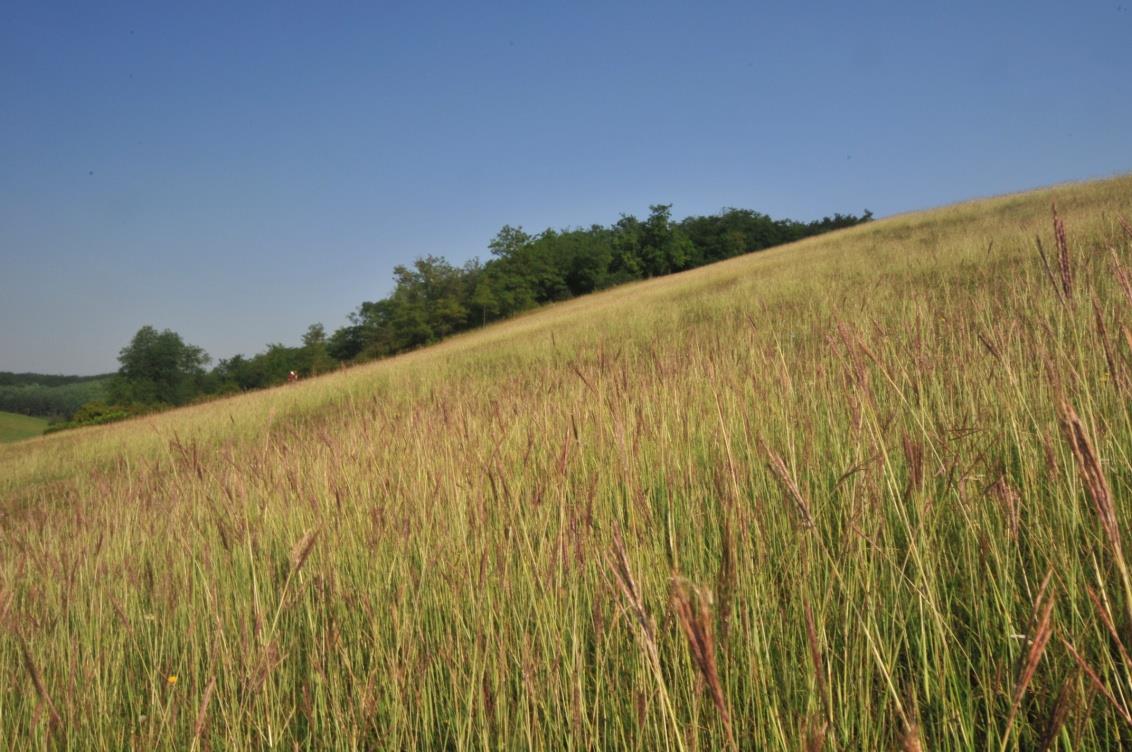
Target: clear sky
[{"x": 236, "y": 172}]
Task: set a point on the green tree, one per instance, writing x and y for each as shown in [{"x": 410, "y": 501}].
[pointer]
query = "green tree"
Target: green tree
[
  {"x": 484, "y": 300},
  {"x": 278, "y": 360},
  {"x": 346, "y": 343},
  {"x": 587, "y": 255},
  {"x": 627, "y": 261},
  {"x": 524, "y": 273},
  {"x": 664, "y": 246},
  {"x": 427, "y": 302},
  {"x": 158, "y": 368},
  {"x": 509, "y": 242},
  {"x": 317, "y": 358}
]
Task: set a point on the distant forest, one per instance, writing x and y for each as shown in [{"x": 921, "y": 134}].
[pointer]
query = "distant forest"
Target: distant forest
[
  {"x": 433, "y": 299},
  {"x": 50, "y": 396}
]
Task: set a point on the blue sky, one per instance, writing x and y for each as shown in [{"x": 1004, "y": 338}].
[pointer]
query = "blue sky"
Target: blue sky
[{"x": 236, "y": 172}]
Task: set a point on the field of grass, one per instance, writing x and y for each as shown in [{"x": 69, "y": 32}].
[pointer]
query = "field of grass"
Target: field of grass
[
  {"x": 864, "y": 492},
  {"x": 14, "y": 427}
]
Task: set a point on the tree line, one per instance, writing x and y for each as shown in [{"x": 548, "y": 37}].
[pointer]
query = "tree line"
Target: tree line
[
  {"x": 49, "y": 396},
  {"x": 433, "y": 299}
]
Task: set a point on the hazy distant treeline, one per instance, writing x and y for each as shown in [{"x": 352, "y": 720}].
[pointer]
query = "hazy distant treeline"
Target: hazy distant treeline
[
  {"x": 49, "y": 396},
  {"x": 7, "y": 378},
  {"x": 433, "y": 299}
]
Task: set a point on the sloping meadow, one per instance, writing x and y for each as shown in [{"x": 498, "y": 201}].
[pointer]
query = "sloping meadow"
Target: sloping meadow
[{"x": 868, "y": 491}]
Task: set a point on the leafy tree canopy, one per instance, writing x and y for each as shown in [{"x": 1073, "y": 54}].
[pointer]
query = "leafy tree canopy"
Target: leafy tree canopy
[{"x": 158, "y": 368}]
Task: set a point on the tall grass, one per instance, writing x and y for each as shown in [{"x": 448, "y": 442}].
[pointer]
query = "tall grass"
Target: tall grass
[{"x": 869, "y": 491}]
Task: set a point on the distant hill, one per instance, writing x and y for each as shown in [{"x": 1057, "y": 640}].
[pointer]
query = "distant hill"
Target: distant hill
[
  {"x": 49, "y": 396},
  {"x": 8, "y": 378}
]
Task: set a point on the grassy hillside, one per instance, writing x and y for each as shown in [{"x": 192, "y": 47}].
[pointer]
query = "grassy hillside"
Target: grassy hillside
[
  {"x": 864, "y": 492},
  {"x": 14, "y": 427}
]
